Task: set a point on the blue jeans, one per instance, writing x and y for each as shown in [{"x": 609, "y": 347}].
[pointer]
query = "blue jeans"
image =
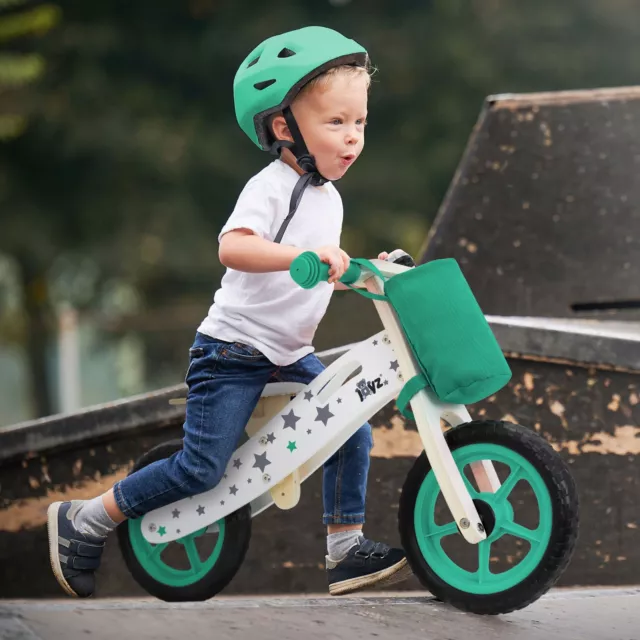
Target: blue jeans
[{"x": 225, "y": 382}]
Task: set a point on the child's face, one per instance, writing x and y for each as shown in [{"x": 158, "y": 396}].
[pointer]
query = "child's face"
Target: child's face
[{"x": 332, "y": 122}]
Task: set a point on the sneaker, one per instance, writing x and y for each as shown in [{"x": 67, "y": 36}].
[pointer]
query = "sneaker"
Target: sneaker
[
  {"x": 366, "y": 565},
  {"x": 74, "y": 556}
]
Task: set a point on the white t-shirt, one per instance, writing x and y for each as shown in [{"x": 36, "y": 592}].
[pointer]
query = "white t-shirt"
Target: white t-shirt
[{"x": 269, "y": 311}]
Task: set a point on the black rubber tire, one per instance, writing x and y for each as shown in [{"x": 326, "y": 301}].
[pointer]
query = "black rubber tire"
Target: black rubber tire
[
  {"x": 234, "y": 547},
  {"x": 564, "y": 498}
]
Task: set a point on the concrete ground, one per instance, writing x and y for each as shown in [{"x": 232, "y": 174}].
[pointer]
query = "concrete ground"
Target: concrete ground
[{"x": 597, "y": 614}]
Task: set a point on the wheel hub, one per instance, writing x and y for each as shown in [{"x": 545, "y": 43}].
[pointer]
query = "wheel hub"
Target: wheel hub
[{"x": 487, "y": 515}]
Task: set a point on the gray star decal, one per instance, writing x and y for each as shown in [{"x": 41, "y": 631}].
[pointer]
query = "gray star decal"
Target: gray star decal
[
  {"x": 324, "y": 415},
  {"x": 224, "y": 477},
  {"x": 175, "y": 513},
  {"x": 290, "y": 420},
  {"x": 233, "y": 490},
  {"x": 177, "y": 530},
  {"x": 339, "y": 400},
  {"x": 222, "y": 502},
  {"x": 394, "y": 365},
  {"x": 237, "y": 463},
  {"x": 271, "y": 438},
  {"x": 248, "y": 480},
  {"x": 375, "y": 343},
  {"x": 308, "y": 431},
  {"x": 385, "y": 383},
  {"x": 200, "y": 510},
  {"x": 308, "y": 395},
  {"x": 261, "y": 461}
]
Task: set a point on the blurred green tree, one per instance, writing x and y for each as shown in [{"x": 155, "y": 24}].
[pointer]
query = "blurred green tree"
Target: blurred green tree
[{"x": 22, "y": 23}]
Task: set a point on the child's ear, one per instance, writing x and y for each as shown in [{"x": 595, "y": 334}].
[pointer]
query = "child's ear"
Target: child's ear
[{"x": 280, "y": 129}]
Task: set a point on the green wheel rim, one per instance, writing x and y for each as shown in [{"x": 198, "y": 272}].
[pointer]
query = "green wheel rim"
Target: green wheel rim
[
  {"x": 150, "y": 556},
  {"x": 430, "y": 535}
]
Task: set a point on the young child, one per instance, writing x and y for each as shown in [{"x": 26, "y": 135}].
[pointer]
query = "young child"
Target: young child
[{"x": 303, "y": 96}]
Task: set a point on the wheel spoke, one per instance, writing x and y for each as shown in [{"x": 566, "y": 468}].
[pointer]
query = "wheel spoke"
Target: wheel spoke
[
  {"x": 508, "y": 485},
  {"x": 444, "y": 530},
  {"x": 484, "y": 557},
  {"x": 192, "y": 554},
  {"x": 517, "y": 530},
  {"x": 156, "y": 550}
]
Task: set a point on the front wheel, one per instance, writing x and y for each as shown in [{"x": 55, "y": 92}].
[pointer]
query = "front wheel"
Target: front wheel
[
  {"x": 194, "y": 567},
  {"x": 531, "y": 521}
]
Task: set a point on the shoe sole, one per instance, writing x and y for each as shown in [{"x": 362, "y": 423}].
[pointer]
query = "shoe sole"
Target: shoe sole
[
  {"x": 391, "y": 575},
  {"x": 54, "y": 558}
]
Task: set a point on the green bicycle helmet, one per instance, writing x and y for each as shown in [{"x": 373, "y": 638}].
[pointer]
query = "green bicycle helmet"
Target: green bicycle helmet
[{"x": 269, "y": 79}]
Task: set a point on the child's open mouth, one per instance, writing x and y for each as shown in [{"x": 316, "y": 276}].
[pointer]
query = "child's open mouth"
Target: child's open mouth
[{"x": 347, "y": 160}]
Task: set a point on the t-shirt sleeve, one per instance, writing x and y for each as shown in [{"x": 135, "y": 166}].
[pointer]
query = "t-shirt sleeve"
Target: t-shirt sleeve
[{"x": 255, "y": 209}]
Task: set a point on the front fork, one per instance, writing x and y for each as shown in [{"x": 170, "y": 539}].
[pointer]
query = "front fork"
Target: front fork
[{"x": 428, "y": 411}]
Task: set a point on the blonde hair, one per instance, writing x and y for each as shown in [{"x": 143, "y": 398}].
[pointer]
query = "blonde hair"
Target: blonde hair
[{"x": 323, "y": 81}]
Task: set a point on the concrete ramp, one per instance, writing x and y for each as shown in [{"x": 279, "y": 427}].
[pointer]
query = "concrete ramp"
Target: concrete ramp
[
  {"x": 542, "y": 213},
  {"x": 591, "y": 614}
]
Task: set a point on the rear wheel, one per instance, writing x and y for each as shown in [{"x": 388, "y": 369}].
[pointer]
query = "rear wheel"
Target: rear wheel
[{"x": 194, "y": 567}]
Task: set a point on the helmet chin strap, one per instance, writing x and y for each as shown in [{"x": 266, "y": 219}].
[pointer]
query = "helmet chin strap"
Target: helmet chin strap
[
  {"x": 305, "y": 161},
  {"x": 299, "y": 149}
]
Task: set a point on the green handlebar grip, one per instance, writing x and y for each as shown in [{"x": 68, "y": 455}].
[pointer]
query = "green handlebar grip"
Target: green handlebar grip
[{"x": 308, "y": 270}]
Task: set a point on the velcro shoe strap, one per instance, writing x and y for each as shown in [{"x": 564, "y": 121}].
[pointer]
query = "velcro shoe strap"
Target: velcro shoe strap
[
  {"x": 83, "y": 563},
  {"x": 86, "y": 549},
  {"x": 366, "y": 549}
]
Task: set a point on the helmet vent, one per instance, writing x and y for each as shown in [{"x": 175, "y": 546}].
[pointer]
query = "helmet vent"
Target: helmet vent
[
  {"x": 264, "y": 84},
  {"x": 254, "y": 61},
  {"x": 286, "y": 53}
]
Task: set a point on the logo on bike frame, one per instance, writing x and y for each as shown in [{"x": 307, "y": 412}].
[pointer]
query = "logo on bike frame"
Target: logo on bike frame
[{"x": 366, "y": 388}]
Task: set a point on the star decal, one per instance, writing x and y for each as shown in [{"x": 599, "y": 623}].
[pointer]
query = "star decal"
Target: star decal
[
  {"x": 233, "y": 490},
  {"x": 177, "y": 530},
  {"x": 339, "y": 400},
  {"x": 308, "y": 431},
  {"x": 290, "y": 420},
  {"x": 225, "y": 476},
  {"x": 385, "y": 383},
  {"x": 324, "y": 415},
  {"x": 292, "y": 446},
  {"x": 162, "y": 531},
  {"x": 375, "y": 343},
  {"x": 394, "y": 365},
  {"x": 237, "y": 463},
  {"x": 222, "y": 503},
  {"x": 271, "y": 438},
  {"x": 175, "y": 513},
  {"x": 248, "y": 480},
  {"x": 200, "y": 510},
  {"x": 308, "y": 395},
  {"x": 261, "y": 461}
]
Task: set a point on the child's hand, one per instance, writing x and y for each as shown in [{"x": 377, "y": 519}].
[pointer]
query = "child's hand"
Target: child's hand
[
  {"x": 336, "y": 258},
  {"x": 383, "y": 256}
]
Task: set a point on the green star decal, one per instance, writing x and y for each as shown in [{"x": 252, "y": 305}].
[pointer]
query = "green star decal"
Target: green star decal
[
  {"x": 162, "y": 531},
  {"x": 291, "y": 446}
]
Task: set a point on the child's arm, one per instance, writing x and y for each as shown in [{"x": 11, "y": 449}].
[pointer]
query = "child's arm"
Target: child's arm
[{"x": 243, "y": 250}]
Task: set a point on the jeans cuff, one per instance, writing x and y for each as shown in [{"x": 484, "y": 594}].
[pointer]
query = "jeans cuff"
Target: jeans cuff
[
  {"x": 122, "y": 503},
  {"x": 343, "y": 518}
]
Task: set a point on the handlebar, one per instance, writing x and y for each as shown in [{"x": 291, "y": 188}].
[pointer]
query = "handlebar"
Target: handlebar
[{"x": 307, "y": 270}]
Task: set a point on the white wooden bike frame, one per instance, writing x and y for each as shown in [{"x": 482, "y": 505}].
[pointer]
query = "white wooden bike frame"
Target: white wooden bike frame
[{"x": 296, "y": 428}]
